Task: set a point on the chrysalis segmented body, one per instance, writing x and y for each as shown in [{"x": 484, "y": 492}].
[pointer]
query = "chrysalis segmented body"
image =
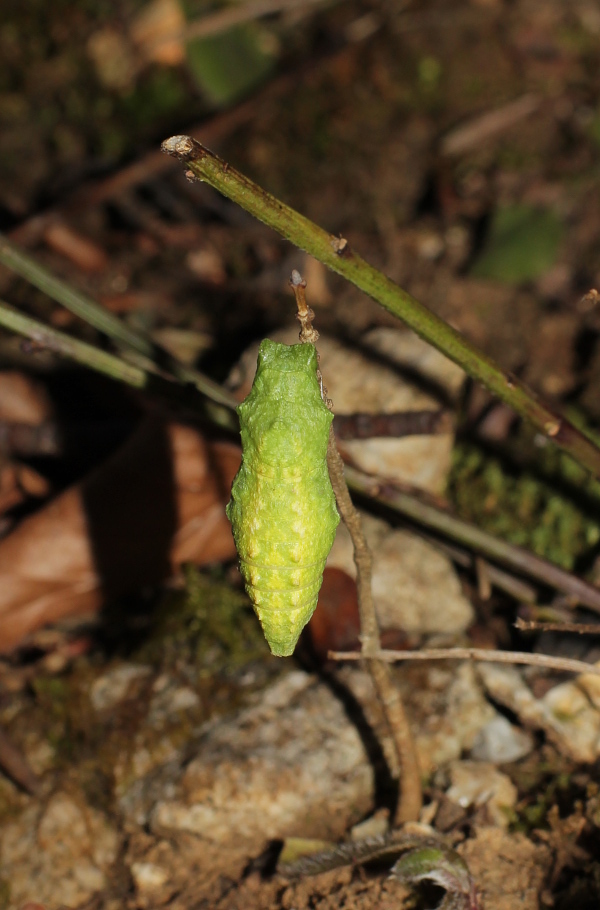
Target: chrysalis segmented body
[{"x": 282, "y": 507}]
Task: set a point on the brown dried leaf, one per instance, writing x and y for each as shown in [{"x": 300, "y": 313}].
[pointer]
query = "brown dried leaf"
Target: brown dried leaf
[
  {"x": 17, "y": 483},
  {"x": 22, "y": 399},
  {"x": 74, "y": 246},
  {"x": 157, "y": 502},
  {"x": 157, "y": 32}
]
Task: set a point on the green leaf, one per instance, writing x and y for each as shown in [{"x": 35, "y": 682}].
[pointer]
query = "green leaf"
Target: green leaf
[
  {"x": 522, "y": 244},
  {"x": 228, "y": 66},
  {"x": 442, "y": 867}
]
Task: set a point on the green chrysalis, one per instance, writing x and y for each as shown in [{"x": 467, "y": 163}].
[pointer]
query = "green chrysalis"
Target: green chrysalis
[{"x": 282, "y": 507}]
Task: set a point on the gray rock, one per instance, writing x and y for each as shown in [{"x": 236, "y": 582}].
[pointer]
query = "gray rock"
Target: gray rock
[
  {"x": 291, "y": 764},
  {"x": 500, "y": 741}
]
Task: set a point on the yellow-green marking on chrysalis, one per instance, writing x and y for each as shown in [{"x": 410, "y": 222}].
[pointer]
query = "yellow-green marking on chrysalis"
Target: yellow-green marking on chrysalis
[{"x": 282, "y": 507}]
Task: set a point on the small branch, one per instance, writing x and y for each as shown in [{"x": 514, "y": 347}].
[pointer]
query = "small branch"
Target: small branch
[
  {"x": 395, "y": 425},
  {"x": 565, "y": 664},
  {"x": 336, "y": 253},
  {"x": 516, "y": 558},
  {"x": 305, "y": 316},
  {"x": 411, "y": 798},
  {"x": 362, "y": 556},
  {"x": 410, "y": 802},
  {"x": 533, "y": 625},
  {"x": 470, "y": 134}
]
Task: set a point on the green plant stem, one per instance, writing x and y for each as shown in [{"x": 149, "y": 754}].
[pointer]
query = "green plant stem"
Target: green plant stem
[
  {"x": 336, "y": 253},
  {"x": 109, "y": 364},
  {"x": 79, "y": 351},
  {"x": 75, "y": 301},
  {"x": 110, "y": 325},
  {"x": 516, "y": 558}
]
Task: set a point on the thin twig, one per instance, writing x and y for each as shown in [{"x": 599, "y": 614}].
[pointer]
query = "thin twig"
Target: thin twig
[
  {"x": 565, "y": 664},
  {"x": 470, "y": 134},
  {"x": 336, "y": 253},
  {"x": 533, "y": 625},
  {"x": 516, "y": 558},
  {"x": 393, "y": 425},
  {"x": 75, "y": 301},
  {"x": 362, "y": 556},
  {"x": 410, "y": 801},
  {"x": 308, "y": 333},
  {"x": 410, "y": 785},
  {"x": 411, "y": 798}
]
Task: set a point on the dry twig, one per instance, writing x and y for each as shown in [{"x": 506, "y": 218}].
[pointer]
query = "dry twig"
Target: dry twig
[
  {"x": 442, "y": 522},
  {"x": 411, "y": 800},
  {"x": 393, "y": 425},
  {"x": 564, "y": 664},
  {"x": 581, "y": 628},
  {"x": 470, "y": 134}
]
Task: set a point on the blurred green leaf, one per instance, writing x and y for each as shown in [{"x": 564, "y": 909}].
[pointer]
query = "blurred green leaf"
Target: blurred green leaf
[
  {"x": 522, "y": 244},
  {"x": 442, "y": 867},
  {"x": 226, "y": 67},
  {"x": 594, "y": 129}
]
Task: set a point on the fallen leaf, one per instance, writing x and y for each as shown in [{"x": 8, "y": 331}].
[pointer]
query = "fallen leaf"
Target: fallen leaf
[
  {"x": 157, "y": 32},
  {"x": 158, "y": 502},
  {"x": 335, "y": 624},
  {"x": 74, "y": 246},
  {"x": 22, "y": 399},
  {"x": 522, "y": 244},
  {"x": 113, "y": 59},
  {"x": 228, "y": 66},
  {"x": 17, "y": 483},
  {"x": 23, "y": 404}
]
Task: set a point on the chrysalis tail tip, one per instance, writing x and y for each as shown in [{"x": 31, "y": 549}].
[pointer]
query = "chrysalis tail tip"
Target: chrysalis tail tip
[
  {"x": 282, "y": 646},
  {"x": 278, "y": 651}
]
